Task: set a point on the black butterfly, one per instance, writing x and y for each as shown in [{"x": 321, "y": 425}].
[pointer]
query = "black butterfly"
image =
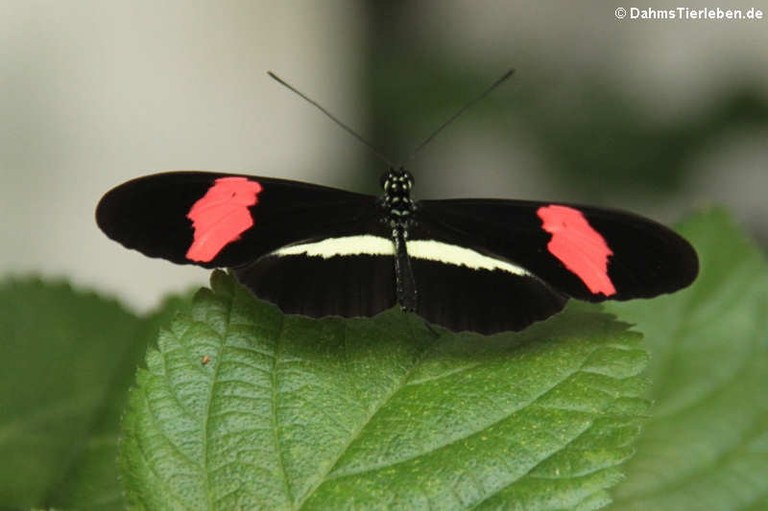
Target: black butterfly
[{"x": 467, "y": 264}]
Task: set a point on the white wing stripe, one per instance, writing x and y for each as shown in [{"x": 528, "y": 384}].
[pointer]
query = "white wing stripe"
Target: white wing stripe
[
  {"x": 459, "y": 256},
  {"x": 347, "y": 246},
  {"x": 428, "y": 250}
]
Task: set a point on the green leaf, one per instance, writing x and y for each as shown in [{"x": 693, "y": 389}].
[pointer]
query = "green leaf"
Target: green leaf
[
  {"x": 65, "y": 355},
  {"x": 706, "y": 445},
  {"x": 241, "y": 407},
  {"x": 92, "y": 481}
]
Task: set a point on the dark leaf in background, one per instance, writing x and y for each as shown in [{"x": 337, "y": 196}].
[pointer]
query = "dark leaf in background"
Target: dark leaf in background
[
  {"x": 70, "y": 357},
  {"x": 62, "y": 351},
  {"x": 706, "y": 443}
]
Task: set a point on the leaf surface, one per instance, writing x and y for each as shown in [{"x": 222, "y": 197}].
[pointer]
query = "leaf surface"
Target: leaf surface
[{"x": 242, "y": 407}]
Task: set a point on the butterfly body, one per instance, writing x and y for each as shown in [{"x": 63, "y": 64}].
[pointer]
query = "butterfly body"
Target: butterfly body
[{"x": 484, "y": 265}]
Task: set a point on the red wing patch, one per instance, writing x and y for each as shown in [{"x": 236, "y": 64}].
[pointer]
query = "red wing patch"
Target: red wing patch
[
  {"x": 578, "y": 246},
  {"x": 221, "y": 216}
]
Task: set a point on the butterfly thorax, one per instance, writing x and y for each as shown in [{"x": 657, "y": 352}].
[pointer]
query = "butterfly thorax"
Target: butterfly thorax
[{"x": 397, "y": 200}]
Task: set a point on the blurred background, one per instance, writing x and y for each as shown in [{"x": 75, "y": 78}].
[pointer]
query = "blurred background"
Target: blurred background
[{"x": 660, "y": 117}]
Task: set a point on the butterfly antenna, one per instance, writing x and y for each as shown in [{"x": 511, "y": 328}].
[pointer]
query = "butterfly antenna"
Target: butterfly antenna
[
  {"x": 461, "y": 110},
  {"x": 331, "y": 117}
]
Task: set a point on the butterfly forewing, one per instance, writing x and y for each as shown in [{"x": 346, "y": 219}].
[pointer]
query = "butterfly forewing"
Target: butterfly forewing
[
  {"x": 218, "y": 220},
  {"x": 584, "y": 252}
]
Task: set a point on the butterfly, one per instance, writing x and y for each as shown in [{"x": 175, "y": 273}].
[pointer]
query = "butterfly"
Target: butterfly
[{"x": 481, "y": 265}]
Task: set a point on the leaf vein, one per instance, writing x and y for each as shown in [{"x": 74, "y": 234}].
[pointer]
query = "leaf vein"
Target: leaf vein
[
  {"x": 375, "y": 410},
  {"x": 506, "y": 415},
  {"x": 209, "y": 401},
  {"x": 275, "y": 421}
]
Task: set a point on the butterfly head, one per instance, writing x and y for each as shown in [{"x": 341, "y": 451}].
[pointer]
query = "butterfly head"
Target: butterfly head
[{"x": 397, "y": 181}]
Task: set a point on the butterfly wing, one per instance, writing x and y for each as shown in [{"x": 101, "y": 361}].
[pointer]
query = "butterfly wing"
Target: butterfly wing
[
  {"x": 584, "y": 252},
  {"x": 222, "y": 220},
  {"x": 465, "y": 290},
  {"x": 480, "y": 265},
  {"x": 247, "y": 222},
  {"x": 331, "y": 283}
]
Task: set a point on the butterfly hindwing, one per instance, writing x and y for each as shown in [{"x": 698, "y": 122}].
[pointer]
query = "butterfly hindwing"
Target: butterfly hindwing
[
  {"x": 354, "y": 275},
  {"x": 223, "y": 220},
  {"x": 463, "y": 289},
  {"x": 346, "y": 286},
  {"x": 584, "y": 252}
]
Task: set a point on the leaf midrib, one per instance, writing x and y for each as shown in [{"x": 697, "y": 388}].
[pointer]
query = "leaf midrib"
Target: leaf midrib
[
  {"x": 322, "y": 478},
  {"x": 404, "y": 382},
  {"x": 275, "y": 422},
  {"x": 211, "y": 393},
  {"x": 459, "y": 438}
]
